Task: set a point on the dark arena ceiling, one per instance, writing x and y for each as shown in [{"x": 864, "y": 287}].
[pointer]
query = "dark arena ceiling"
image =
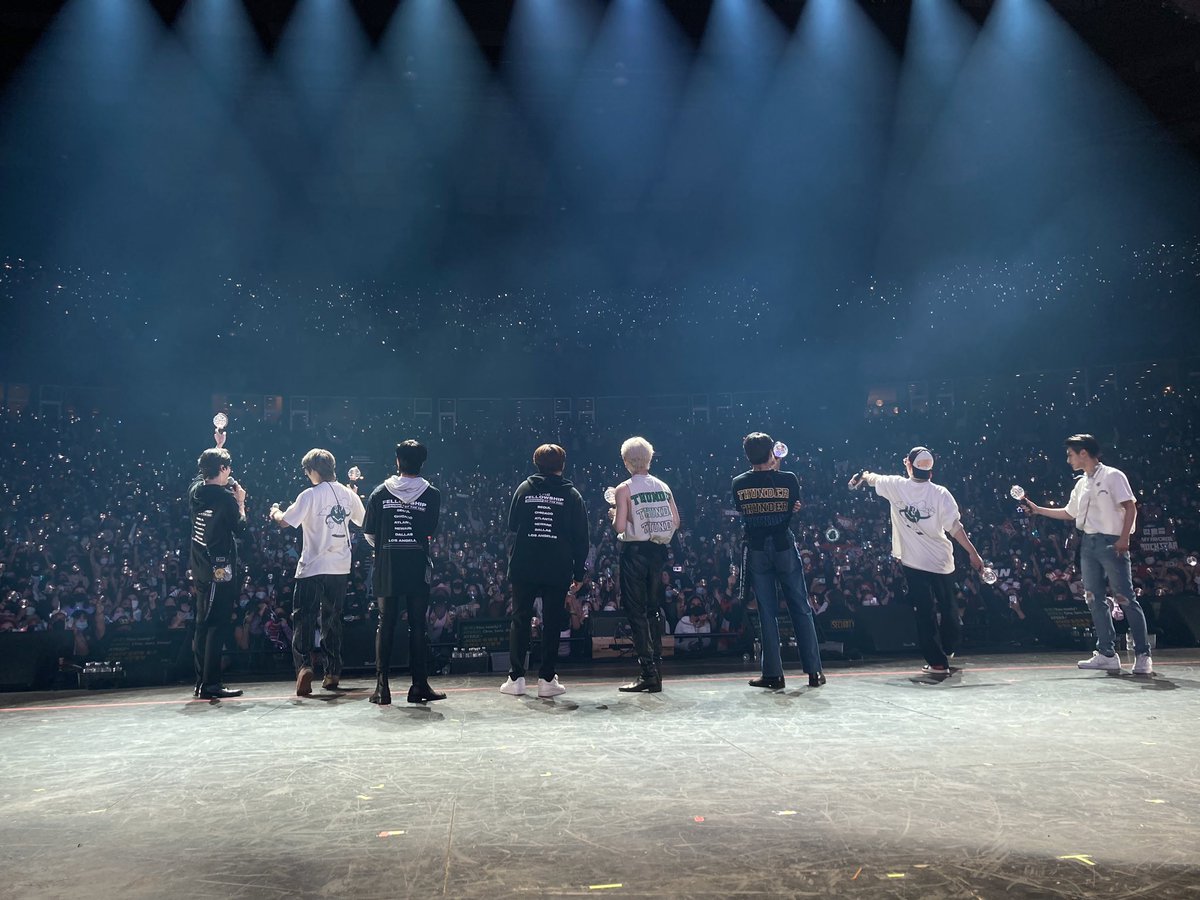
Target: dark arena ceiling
[{"x": 1152, "y": 45}]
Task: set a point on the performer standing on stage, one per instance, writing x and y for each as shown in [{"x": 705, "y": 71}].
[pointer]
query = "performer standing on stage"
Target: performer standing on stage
[
  {"x": 767, "y": 498},
  {"x": 645, "y": 517},
  {"x": 549, "y": 520},
  {"x": 1105, "y": 511},
  {"x": 218, "y": 506},
  {"x": 401, "y": 517},
  {"x": 324, "y": 513},
  {"x": 923, "y": 513}
]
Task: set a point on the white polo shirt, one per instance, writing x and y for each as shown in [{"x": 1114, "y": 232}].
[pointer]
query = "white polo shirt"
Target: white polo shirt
[
  {"x": 922, "y": 513},
  {"x": 1096, "y": 501},
  {"x": 325, "y": 511}
]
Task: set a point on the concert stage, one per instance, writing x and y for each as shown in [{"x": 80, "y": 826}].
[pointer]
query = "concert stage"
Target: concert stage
[{"x": 1020, "y": 777}]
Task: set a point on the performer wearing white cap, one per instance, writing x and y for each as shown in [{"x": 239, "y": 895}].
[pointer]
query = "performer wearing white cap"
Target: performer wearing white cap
[{"x": 923, "y": 513}]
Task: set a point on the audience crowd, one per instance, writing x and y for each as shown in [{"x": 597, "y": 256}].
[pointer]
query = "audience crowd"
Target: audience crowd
[
  {"x": 450, "y": 340},
  {"x": 94, "y": 523}
]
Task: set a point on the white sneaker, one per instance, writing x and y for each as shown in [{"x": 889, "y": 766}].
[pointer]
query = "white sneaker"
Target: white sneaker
[
  {"x": 1101, "y": 662},
  {"x": 1143, "y": 665},
  {"x": 516, "y": 688},
  {"x": 550, "y": 688}
]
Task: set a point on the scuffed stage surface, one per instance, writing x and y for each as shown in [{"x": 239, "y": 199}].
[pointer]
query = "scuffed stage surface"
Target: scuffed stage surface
[{"x": 1019, "y": 777}]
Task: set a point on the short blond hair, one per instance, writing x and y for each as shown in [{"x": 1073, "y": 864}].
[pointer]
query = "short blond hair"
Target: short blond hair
[{"x": 637, "y": 453}]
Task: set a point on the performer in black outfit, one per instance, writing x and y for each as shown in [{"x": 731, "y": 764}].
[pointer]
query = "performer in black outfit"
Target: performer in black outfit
[
  {"x": 218, "y": 505},
  {"x": 402, "y": 516},
  {"x": 547, "y": 559}
]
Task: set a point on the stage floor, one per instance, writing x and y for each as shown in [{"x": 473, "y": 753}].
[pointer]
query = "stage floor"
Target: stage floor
[{"x": 1020, "y": 777}]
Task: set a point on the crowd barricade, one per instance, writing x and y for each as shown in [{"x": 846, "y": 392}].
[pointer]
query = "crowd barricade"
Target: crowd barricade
[{"x": 148, "y": 654}]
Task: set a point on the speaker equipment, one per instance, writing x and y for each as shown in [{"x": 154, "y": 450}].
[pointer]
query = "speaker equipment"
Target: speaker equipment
[
  {"x": 28, "y": 660},
  {"x": 1066, "y": 627},
  {"x": 609, "y": 624},
  {"x": 612, "y": 635},
  {"x": 888, "y": 629},
  {"x": 358, "y": 645},
  {"x": 470, "y": 661},
  {"x": 490, "y": 634},
  {"x": 144, "y": 654},
  {"x": 1179, "y": 620}
]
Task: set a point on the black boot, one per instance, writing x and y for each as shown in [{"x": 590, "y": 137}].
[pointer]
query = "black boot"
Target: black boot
[
  {"x": 383, "y": 693},
  {"x": 649, "y": 682},
  {"x": 424, "y": 693},
  {"x": 816, "y": 679},
  {"x": 772, "y": 684}
]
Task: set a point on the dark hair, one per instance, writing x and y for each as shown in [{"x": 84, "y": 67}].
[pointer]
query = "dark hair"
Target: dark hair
[
  {"x": 758, "y": 447},
  {"x": 213, "y": 460},
  {"x": 410, "y": 456},
  {"x": 322, "y": 462},
  {"x": 1078, "y": 442},
  {"x": 550, "y": 459},
  {"x": 919, "y": 474}
]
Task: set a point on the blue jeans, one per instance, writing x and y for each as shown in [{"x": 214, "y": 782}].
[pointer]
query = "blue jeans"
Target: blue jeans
[
  {"x": 767, "y": 567},
  {"x": 1098, "y": 561}
]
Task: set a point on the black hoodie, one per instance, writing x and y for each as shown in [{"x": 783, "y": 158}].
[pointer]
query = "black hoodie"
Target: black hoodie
[
  {"x": 216, "y": 524},
  {"x": 550, "y": 522}
]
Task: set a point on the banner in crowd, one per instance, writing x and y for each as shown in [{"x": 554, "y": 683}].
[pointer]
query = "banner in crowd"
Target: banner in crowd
[{"x": 1158, "y": 539}]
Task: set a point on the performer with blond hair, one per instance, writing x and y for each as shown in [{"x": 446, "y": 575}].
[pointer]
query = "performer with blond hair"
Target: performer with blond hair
[{"x": 645, "y": 518}]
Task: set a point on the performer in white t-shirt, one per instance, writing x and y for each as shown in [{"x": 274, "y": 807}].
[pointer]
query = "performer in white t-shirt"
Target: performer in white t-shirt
[
  {"x": 645, "y": 518},
  {"x": 923, "y": 513},
  {"x": 324, "y": 513},
  {"x": 1105, "y": 512}
]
